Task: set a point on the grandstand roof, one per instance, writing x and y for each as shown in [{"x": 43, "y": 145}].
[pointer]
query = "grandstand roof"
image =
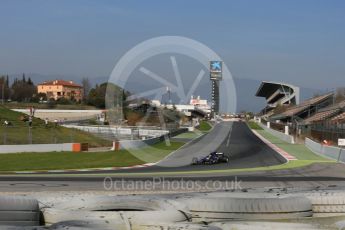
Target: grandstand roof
[
  {"x": 295, "y": 110},
  {"x": 267, "y": 88},
  {"x": 277, "y": 93}
]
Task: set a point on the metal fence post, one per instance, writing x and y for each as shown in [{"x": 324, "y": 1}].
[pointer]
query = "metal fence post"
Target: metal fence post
[
  {"x": 5, "y": 135},
  {"x": 339, "y": 154},
  {"x": 29, "y": 136}
]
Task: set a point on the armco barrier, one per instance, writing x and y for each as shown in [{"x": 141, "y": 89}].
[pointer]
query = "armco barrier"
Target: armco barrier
[
  {"x": 331, "y": 152},
  {"x": 36, "y": 148},
  {"x": 136, "y": 144},
  {"x": 282, "y": 136}
]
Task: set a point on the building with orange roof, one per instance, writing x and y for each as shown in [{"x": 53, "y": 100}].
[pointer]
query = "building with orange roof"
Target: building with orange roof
[{"x": 61, "y": 89}]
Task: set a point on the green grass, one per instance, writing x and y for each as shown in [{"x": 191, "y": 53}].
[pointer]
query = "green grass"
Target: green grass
[
  {"x": 24, "y": 105},
  {"x": 156, "y": 152},
  {"x": 73, "y": 160},
  {"x": 19, "y": 132},
  {"x": 189, "y": 135},
  {"x": 300, "y": 151},
  {"x": 204, "y": 126},
  {"x": 254, "y": 125}
]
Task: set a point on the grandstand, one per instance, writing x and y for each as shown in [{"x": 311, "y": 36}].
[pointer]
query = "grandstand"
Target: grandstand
[
  {"x": 340, "y": 118},
  {"x": 321, "y": 118},
  {"x": 306, "y": 109},
  {"x": 330, "y": 112},
  {"x": 277, "y": 93}
]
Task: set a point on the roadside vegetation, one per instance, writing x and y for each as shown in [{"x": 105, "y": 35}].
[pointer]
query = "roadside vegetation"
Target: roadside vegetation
[
  {"x": 79, "y": 160},
  {"x": 254, "y": 125},
  {"x": 48, "y": 105},
  {"x": 19, "y": 132},
  {"x": 204, "y": 126}
]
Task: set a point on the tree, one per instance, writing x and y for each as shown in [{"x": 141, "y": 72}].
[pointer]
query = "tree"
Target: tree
[
  {"x": 86, "y": 87},
  {"x": 98, "y": 95},
  {"x": 5, "y": 90},
  {"x": 340, "y": 94},
  {"x": 39, "y": 97},
  {"x": 23, "y": 90}
]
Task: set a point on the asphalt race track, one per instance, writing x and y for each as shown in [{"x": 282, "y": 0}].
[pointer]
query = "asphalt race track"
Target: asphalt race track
[{"x": 233, "y": 138}]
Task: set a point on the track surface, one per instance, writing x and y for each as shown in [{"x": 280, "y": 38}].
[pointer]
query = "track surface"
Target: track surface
[{"x": 233, "y": 138}]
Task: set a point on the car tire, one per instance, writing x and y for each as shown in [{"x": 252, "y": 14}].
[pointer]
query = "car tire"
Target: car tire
[
  {"x": 247, "y": 206},
  {"x": 19, "y": 211},
  {"x": 255, "y": 225},
  {"x": 81, "y": 225},
  {"x": 327, "y": 203},
  {"x": 121, "y": 209}
]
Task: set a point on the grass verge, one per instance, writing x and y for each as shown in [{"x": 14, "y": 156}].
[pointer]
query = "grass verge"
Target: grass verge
[
  {"x": 20, "y": 132},
  {"x": 204, "y": 126},
  {"x": 73, "y": 160},
  {"x": 300, "y": 151},
  {"x": 189, "y": 135},
  {"x": 254, "y": 125}
]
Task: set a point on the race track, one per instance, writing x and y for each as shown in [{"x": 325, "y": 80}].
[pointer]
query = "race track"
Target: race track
[{"x": 235, "y": 139}]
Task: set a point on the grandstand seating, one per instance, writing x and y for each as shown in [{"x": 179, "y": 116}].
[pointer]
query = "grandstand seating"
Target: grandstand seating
[
  {"x": 320, "y": 116},
  {"x": 295, "y": 110},
  {"x": 339, "y": 118}
]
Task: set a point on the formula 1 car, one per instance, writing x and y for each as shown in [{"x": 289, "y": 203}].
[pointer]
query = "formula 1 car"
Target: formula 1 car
[{"x": 212, "y": 158}]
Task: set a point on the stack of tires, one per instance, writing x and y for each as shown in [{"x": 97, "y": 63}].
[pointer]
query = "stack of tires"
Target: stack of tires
[
  {"x": 327, "y": 203},
  {"x": 19, "y": 211},
  {"x": 232, "y": 206},
  {"x": 121, "y": 212}
]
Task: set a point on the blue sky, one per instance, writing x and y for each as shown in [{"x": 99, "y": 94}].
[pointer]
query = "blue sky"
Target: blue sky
[{"x": 297, "y": 41}]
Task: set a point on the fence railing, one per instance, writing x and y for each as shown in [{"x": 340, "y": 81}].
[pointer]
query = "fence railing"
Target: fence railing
[{"x": 327, "y": 131}]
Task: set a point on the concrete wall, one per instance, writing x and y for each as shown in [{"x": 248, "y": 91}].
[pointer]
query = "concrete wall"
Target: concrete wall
[
  {"x": 62, "y": 114},
  {"x": 35, "y": 148},
  {"x": 136, "y": 144},
  {"x": 280, "y": 135},
  {"x": 330, "y": 152},
  {"x": 119, "y": 131}
]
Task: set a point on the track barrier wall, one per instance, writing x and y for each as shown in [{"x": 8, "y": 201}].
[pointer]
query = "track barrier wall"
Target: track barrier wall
[
  {"x": 331, "y": 152},
  {"x": 136, "y": 144},
  {"x": 36, "y": 148},
  {"x": 280, "y": 135}
]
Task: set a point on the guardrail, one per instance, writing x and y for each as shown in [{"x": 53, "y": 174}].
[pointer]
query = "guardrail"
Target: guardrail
[
  {"x": 280, "y": 135},
  {"x": 330, "y": 152},
  {"x": 129, "y": 133},
  {"x": 36, "y": 148}
]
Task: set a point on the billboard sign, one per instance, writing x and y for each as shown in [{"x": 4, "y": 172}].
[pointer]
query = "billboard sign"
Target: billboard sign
[
  {"x": 216, "y": 70},
  {"x": 341, "y": 142}
]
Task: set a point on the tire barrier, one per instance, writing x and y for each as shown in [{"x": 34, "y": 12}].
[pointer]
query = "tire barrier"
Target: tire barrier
[
  {"x": 92, "y": 225},
  {"x": 19, "y": 211},
  {"x": 218, "y": 207},
  {"x": 327, "y": 203},
  {"x": 263, "y": 226},
  {"x": 81, "y": 225},
  {"x": 120, "y": 211}
]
